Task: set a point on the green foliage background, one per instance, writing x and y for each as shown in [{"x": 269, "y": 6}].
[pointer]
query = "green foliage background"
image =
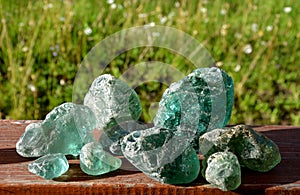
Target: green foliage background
[{"x": 42, "y": 44}]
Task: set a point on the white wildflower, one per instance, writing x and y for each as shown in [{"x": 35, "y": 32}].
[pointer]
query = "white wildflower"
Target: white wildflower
[
  {"x": 25, "y": 49},
  {"x": 110, "y": 1},
  {"x": 224, "y": 29},
  {"x": 254, "y": 27},
  {"x": 287, "y": 9},
  {"x": 237, "y": 68},
  {"x": 151, "y": 24},
  {"x": 113, "y": 6},
  {"x": 247, "y": 49},
  {"x": 203, "y": 10},
  {"x": 87, "y": 31},
  {"x": 177, "y": 4},
  {"x": 32, "y": 87},
  {"x": 269, "y": 28},
  {"x": 62, "y": 82},
  {"x": 219, "y": 64},
  {"x": 223, "y": 12},
  {"x": 163, "y": 20}
]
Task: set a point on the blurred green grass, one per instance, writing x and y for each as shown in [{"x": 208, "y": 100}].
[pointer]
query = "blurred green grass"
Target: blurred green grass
[{"x": 42, "y": 44}]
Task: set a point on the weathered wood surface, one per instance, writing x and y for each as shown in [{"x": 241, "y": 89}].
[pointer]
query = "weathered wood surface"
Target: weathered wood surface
[{"x": 15, "y": 178}]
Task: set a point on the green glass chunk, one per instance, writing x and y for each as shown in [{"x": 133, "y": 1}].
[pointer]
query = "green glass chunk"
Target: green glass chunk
[
  {"x": 254, "y": 150},
  {"x": 112, "y": 101},
  {"x": 49, "y": 166},
  {"x": 112, "y": 137},
  {"x": 95, "y": 161},
  {"x": 223, "y": 171},
  {"x": 65, "y": 130},
  {"x": 202, "y": 100},
  {"x": 162, "y": 155}
]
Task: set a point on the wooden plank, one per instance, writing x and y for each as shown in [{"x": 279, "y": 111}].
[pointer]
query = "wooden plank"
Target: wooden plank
[{"x": 15, "y": 178}]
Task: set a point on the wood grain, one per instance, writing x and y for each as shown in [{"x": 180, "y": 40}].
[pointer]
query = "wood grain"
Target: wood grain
[{"x": 15, "y": 178}]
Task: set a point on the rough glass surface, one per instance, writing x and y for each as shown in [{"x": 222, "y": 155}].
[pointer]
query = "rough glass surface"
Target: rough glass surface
[
  {"x": 65, "y": 130},
  {"x": 112, "y": 101},
  {"x": 95, "y": 161},
  {"x": 223, "y": 171},
  {"x": 111, "y": 138},
  {"x": 162, "y": 155},
  {"x": 49, "y": 166},
  {"x": 254, "y": 150},
  {"x": 189, "y": 101}
]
